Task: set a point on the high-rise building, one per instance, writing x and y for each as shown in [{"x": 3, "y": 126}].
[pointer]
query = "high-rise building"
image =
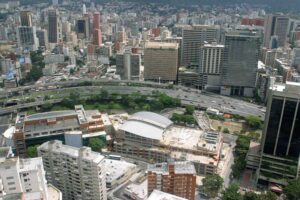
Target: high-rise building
[
  {"x": 211, "y": 56},
  {"x": 281, "y": 135},
  {"x": 96, "y": 20},
  {"x": 161, "y": 61},
  {"x": 177, "y": 178},
  {"x": 238, "y": 74},
  {"x": 276, "y": 25},
  {"x": 193, "y": 38},
  {"x": 53, "y": 26},
  {"x": 26, "y": 18},
  {"x": 27, "y": 39},
  {"x": 83, "y": 28},
  {"x": 97, "y": 36},
  {"x": 42, "y": 37},
  {"x": 77, "y": 172},
  {"x": 128, "y": 65},
  {"x": 22, "y": 176}
]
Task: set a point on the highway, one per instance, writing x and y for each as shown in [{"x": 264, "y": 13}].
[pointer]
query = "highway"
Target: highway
[{"x": 187, "y": 96}]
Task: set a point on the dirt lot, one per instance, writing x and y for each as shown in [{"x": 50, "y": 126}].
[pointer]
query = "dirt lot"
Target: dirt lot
[{"x": 232, "y": 126}]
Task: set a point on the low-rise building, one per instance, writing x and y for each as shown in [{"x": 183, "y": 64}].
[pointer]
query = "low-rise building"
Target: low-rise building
[
  {"x": 149, "y": 136},
  {"x": 42, "y": 127},
  {"x": 177, "y": 178},
  {"x": 159, "y": 195}
]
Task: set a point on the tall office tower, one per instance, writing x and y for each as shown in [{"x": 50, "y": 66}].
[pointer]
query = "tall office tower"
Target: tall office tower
[
  {"x": 26, "y": 36},
  {"x": 22, "y": 176},
  {"x": 276, "y": 25},
  {"x": 161, "y": 61},
  {"x": 77, "y": 172},
  {"x": 84, "y": 9},
  {"x": 97, "y": 36},
  {"x": 238, "y": 74},
  {"x": 55, "y": 2},
  {"x": 128, "y": 65},
  {"x": 83, "y": 28},
  {"x": 42, "y": 37},
  {"x": 178, "y": 178},
  {"x": 193, "y": 38},
  {"x": 211, "y": 57},
  {"x": 53, "y": 26},
  {"x": 96, "y": 20},
  {"x": 281, "y": 136},
  {"x": 26, "y": 18}
]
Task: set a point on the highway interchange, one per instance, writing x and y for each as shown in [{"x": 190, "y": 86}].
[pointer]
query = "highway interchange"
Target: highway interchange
[{"x": 188, "y": 96}]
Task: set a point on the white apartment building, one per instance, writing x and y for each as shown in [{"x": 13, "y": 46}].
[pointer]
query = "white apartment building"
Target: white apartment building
[
  {"x": 24, "y": 177},
  {"x": 78, "y": 172}
]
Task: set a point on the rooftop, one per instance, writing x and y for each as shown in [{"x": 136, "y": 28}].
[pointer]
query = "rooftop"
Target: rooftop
[
  {"x": 58, "y": 147},
  {"x": 147, "y": 124},
  {"x": 159, "y": 195},
  {"x": 54, "y": 193},
  {"x": 161, "y": 45},
  {"x": 137, "y": 191},
  {"x": 181, "y": 167},
  {"x": 52, "y": 114},
  {"x": 115, "y": 169}
]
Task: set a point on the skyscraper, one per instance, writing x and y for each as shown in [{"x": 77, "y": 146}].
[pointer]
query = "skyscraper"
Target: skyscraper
[
  {"x": 53, "y": 26},
  {"x": 42, "y": 37},
  {"x": 211, "y": 57},
  {"x": 276, "y": 25},
  {"x": 281, "y": 135},
  {"x": 238, "y": 74},
  {"x": 193, "y": 38},
  {"x": 128, "y": 65},
  {"x": 26, "y": 18},
  {"x": 77, "y": 172},
  {"x": 178, "y": 178},
  {"x": 97, "y": 36},
  {"x": 27, "y": 39},
  {"x": 161, "y": 61}
]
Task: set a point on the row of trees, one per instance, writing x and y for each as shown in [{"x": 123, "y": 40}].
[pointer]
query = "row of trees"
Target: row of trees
[
  {"x": 240, "y": 152},
  {"x": 134, "y": 101},
  {"x": 213, "y": 184}
]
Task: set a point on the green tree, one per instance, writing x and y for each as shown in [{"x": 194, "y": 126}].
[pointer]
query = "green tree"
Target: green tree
[
  {"x": 212, "y": 184},
  {"x": 226, "y": 130},
  {"x": 104, "y": 94},
  {"x": 292, "y": 190},
  {"x": 268, "y": 196},
  {"x": 254, "y": 122},
  {"x": 219, "y": 128},
  {"x": 31, "y": 151},
  {"x": 251, "y": 196},
  {"x": 254, "y": 135},
  {"x": 189, "y": 109},
  {"x": 46, "y": 107},
  {"x": 35, "y": 73},
  {"x": 96, "y": 144},
  {"x": 232, "y": 193}
]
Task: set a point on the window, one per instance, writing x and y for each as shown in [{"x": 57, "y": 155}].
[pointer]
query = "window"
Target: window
[
  {"x": 13, "y": 188},
  {"x": 10, "y": 183},
  {"x": 9, "y": 177}
]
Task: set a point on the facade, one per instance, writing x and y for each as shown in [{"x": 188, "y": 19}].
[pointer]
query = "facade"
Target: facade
[
  {"x": 27, "y": 38},
  {"x": 83, "y": 28},
  {"x": 177, "y": 178},
  {"x": 78, "y": 172},
  {"x": 26, "y": 18},
  {"x": 161, "y": 62},
  {"x": 211, "y": 57},
  {"x": 281, "y": 135},
  {"x": 42, "y": 37},
  {"x": 97, "y": 37},
  {"x": 53, "y": 27},
  {"x": 42, "y": 127},
  {"x": 238, "y": 74},
  {"x": 193, "y": 38},
  {"x": 149, "y": 136},
  {"x": 276, "y": 25},
  {"x": 22, "y": 176},
  {"x": 128, "y": 65}
]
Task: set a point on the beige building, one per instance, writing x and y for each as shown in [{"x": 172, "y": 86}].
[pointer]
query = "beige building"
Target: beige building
[
  {"x": 78, "y": 172},
  {"x": 161, "y": 61}
]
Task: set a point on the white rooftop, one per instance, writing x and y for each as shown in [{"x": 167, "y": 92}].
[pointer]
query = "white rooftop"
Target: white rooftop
[
  {"x": 147, "y": 124},
  {"x": 159, "y": 195},
  {"x": 115, "y": 169}
]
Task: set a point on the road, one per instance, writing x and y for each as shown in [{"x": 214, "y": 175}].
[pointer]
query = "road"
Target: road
[{"x": 187, "y": 96}]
